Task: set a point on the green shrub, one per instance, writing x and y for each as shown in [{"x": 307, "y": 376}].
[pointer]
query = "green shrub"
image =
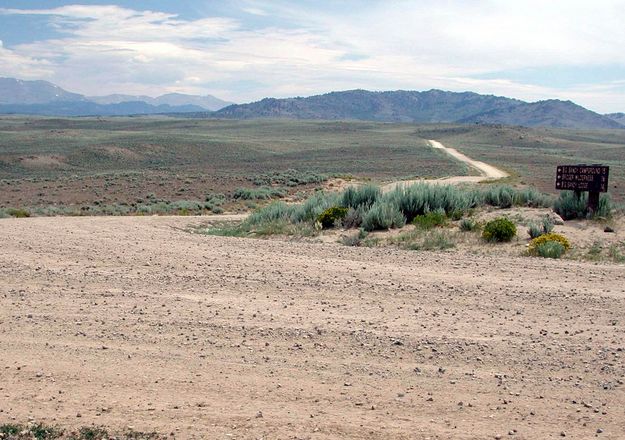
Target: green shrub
[
  {"x": 468, "y": 225},
  {"x": 456, "y": 214},
  {"x": 331, "y": 216},
  {"x": 355, "y": 197},
  {"x": 4, "y": 214},
  {"x": 550, "y": 249},
  {"x": 383, "y": 215},
  {"x": 217, "y": 210},
  {"x": 558, "y": 238},
  {"x": 18, "y": 212},
  {"x": 500, "y": 229},
  {"x": 430, "y": 219}
]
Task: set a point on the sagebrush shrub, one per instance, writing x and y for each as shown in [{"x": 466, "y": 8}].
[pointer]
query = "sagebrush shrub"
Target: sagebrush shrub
[
  {"x": 547, "y": 225},
  {"x": 353, "y": 219},
  {"x": 550, "y": 249},
  {"x": 499, "y": 229},
  {"x": 467, "y": 225},
  {"x": 570, "y": 207},
  {"x": 332, "y": 216},
  {"x": 383, "y": 215},
  {"x": 534, "y": 230},
  {"x": 262, "y": 193},
  {"x": 366, "y": 196}
]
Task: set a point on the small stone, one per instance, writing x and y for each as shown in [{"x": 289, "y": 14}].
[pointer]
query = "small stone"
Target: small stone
[
  {"x": 78, "y": 415},
  {"x": 259, "y": 415},
  {"x": 608, "y": 229},
  {"x": 599, "y": 430}
]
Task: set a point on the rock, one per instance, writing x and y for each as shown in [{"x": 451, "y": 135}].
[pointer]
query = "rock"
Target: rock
[
  {"x": 555, "y": 219},
  {"x": 599, "y": 430},
  {"x": 608, "y": 229},
  {"x": 259, "y": 415}
]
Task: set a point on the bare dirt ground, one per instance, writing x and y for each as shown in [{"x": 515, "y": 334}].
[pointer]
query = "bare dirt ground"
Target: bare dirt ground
[{"x": 131, "y": 321}]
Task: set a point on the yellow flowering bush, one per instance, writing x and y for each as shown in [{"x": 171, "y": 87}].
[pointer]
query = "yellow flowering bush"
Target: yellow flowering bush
[{"x": 552, "y": 236}]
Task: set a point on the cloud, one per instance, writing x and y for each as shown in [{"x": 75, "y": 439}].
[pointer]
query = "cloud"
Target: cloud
[
  {"x": 14, "y": 64},
  {"x": 302, "y": 50}
]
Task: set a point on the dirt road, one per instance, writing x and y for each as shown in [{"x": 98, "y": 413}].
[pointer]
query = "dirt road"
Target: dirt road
[
  {"x": 487, "y": 172},
  {"x": 130, "y": 321}
]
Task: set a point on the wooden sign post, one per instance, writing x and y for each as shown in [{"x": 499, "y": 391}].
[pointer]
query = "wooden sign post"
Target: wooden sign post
[{"x": 578, "y": 178}]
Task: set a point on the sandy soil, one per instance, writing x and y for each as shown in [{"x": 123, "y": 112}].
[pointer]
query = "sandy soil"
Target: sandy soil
[
  {"x": 486, "y": 171},
  {"x": 134, "y": 322}
]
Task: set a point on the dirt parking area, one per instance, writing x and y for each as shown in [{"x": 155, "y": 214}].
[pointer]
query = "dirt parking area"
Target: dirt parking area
[{"x": 134, "y": 322}]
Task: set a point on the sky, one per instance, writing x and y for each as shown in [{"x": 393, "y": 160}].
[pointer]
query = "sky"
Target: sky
[{"x": 245, "y": 50}]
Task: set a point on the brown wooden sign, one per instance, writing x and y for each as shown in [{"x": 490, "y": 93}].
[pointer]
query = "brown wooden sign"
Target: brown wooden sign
[{"x": 592, "y": 178}]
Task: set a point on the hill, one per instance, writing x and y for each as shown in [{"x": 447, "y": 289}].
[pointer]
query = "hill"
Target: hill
[
  {"x": 618, "y": 117},
  {"x": 423, "y": 107},
  {"x": 551, "y": 113}
]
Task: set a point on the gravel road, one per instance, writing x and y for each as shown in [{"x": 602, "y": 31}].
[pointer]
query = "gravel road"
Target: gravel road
[{"x": 131, "y": 321}]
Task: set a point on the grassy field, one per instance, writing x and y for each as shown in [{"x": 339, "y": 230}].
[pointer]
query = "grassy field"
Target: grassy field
[
  {"x": 103, "y": 161},
  {"x": 82, "y": 160},
  {"x": 533, "y": 154}
]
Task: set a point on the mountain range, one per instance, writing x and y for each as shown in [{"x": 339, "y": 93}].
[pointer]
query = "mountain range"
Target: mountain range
[
  {"x": 425, "y": 107},
  {"x": 44, "y": 98}
]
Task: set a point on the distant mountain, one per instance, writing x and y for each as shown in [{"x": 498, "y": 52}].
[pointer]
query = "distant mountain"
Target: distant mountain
[
  {"x": 16, "y": 91},
  {"x": 618, "y": 117},
  {"x": 44, "y": 98},
  {"x": 423, "y": 107},
  {"x": 550, "y": 113},
  {"x": 87, "y": 108},
  {"x": 207, "y": 102},
  {"x": 397, "y": 106}
]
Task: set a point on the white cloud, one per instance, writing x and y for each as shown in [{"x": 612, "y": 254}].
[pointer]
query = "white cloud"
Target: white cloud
[
  {"x": 14, "y": 64},
  {"x": 381, "y": 45}
]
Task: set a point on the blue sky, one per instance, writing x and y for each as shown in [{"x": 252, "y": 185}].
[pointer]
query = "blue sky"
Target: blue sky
[{"x": 244, "y": 50}]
